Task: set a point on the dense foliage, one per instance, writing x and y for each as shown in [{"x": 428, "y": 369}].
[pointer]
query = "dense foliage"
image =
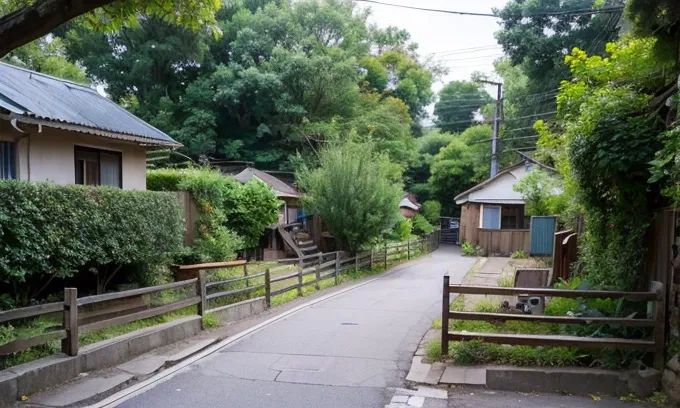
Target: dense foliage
[
  {"x": 542, "y": 193},
  {"x": 431, "y": 210},
  {"x": 56, "y": 232},
  {"x": 233, "y": 215},
  {"x": 352, "y": 191},
  {"x": 607, "y": 137},
  {"x": 460, "y": 165},
  {"x": 284, "y": 77},
  {"x": 421, "y": 226},
  {"x": 458, "y": 103}
]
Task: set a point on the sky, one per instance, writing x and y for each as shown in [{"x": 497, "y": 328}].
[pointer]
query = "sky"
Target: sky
[{"x": 448, "y": 37}]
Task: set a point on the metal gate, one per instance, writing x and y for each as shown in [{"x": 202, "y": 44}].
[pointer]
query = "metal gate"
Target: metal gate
[
  {"x": 450, "y": 231},
  {"x": 542, "y": 235}
]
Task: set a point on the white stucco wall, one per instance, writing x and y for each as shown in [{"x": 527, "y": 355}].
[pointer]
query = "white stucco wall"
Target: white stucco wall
[{"x": 49, "y": 156}]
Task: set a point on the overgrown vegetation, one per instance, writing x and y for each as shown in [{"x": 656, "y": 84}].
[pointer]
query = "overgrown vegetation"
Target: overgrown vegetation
[
  {"x": 232, "y": 215},
  {"x": 542, "y": 193},
  {"x": 468, "y": 249}
]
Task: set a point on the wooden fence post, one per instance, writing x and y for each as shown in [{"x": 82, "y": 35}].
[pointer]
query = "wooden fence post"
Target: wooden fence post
[
  {"x": 385, "y": 255},
  {"x": 445, "y": 317},
  {"x": 245, "y": 273},
  {"x": 300, "y": 268},
  {"x": 658, "y": 314},
  {"x": 408, "y": 248},
  {"x": 267, "y": 288},
  {"x": 356, "y": 262},
  {"x": 69, "y": 345},
  {"x": 371, "y": 264},
  {"x": 202, "y": 292},
  {"x": 337, "y": 267},
  {"x": 317, "y": 276}
]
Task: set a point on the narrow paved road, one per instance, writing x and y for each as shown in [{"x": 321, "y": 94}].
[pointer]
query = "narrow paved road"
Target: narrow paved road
[{"x": 344, "y": 352}]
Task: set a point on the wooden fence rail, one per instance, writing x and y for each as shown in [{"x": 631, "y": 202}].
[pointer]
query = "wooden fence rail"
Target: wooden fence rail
[
  {"x": 656, "y": 320},
  {"x": 192, "y": 288}
]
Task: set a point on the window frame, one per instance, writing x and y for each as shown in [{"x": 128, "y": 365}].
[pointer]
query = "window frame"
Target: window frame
[
  {"x": 98, "y": 151},
  {"x": 500, "y": 213},
  {"x": 15, "y": 159}
]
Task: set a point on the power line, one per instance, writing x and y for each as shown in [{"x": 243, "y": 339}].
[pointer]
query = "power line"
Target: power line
[
  {"x": 466, "y": 50},
  {"x": 467, "y": 13}
]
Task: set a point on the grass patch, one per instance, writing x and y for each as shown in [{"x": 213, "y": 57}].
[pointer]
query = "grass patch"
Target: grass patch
[
  {"x": 506, "y": 281},
  {"x": 477, "y": 352},
  {"x": 434, "y": 349},
  {"x": 436, "y": 323},
  {"x": 487, "y": 306}
]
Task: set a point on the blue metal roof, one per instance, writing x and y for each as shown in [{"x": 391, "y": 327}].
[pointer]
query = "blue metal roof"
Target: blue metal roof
[{"x": 32, "y": 94}]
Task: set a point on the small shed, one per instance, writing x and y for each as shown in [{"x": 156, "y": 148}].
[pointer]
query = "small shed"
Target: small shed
[
  {"x": 492, "y": 212},
  {"x": 408, "y": 206}
]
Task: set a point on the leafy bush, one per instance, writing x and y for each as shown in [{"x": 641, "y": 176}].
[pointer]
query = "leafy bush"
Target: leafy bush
[
  {"x": 402, "y": 230},
  {"x": 51, "y": 231},
  {"x": 519, "y": 254},
  {"x": 468, "y": 249},
  {"x": 421, "y": 226},
  {"x": 354, "y": 192},
  {"x": 539, "y": 189},
  {"x": 431, "y": 210},
  {"x": 233, "y": 215}
]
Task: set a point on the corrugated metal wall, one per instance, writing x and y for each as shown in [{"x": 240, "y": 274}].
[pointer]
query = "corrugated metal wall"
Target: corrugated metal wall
[{"x": 542, "y": 235}]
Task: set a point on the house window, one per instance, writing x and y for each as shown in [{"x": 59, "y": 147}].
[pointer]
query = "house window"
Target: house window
[
  {"x": 96, "y": 167},
  {"x": 491, "y": 217},
  {"x": 8, "y": 161}
]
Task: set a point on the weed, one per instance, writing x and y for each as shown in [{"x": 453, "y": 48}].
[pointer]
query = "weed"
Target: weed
[
  {"x": 506, "y": 281},
  {"x": 487, "y": 306},
  {"x": 437, "y": 323},
  {"x": 519, "y": 254},
  {"x": 209, "y": 321},
  {"x": 434, "y": 349}
]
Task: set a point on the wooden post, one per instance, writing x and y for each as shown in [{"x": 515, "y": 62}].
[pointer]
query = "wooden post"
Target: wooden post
[
  {"x": 69, "y": 345},
  {"x": 203, "y": 293},
  {"x": 245, "y": 273},
  {"x": 408, "y": 248},
  {"x": 337, "y": 267},
  {"x": 371, "y": 264},
  {"x": 658, "y": 314},
  {"x": 317, "y": 276},
  {"x": 445, "y": 317},
  {"x": 385, "y": 255},
  {"x": 356, "y": 262},
  {"x": 299, "y": 288},
  {"x": 267, "y": 288}
]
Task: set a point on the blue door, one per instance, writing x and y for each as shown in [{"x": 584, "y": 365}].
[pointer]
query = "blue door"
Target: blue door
[{"x": 542, "y": 235}]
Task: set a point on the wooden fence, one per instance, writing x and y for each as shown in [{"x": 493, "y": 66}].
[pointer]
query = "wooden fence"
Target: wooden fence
[
  {"x": 656, "y": 320},
  {"x": 195, "y": 288},
  {"x": 504, "y": 241},
  {"x": 564, "y": 253}
]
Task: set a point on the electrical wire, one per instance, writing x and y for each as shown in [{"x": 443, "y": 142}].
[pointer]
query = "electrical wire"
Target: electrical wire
[{"x": 575, "y": 12}]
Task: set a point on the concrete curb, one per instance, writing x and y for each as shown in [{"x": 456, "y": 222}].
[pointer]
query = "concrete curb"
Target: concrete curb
[
  {"x": 32, "y": 377},
  {"x": 166, "y": 375}
]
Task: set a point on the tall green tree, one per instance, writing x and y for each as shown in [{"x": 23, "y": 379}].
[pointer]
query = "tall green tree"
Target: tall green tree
[
  {"x": 351, "y": 189},
  {"x": 457, "y": 105}
]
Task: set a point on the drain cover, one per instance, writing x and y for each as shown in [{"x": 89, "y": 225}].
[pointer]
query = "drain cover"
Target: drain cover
[{"x": 349, "y": 324}]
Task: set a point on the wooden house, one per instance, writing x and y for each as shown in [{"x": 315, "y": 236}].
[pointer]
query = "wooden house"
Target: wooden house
[{"x": 492, "y": 212}]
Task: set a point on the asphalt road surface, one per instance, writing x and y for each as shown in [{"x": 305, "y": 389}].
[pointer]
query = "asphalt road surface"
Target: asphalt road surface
[{"x": 349, "y": 351}]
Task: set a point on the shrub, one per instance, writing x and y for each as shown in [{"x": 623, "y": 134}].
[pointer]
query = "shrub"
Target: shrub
[
  {"x": 431, "y": 211},
  {"x": 354, "y": 192},
  {"x": 468, "y": 249},
  {"x": 402, "y": 230},
  {"x": 51, "y": 231},
  {"x": 421, "y": 226},
  {"x": 233, "y": 215},
  {"x": 539, "y": 188}
]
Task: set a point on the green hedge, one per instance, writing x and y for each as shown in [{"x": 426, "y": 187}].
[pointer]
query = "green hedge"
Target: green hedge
[
  {"x": 49, "y": 231},
  {"x": 233, "y": 215}
]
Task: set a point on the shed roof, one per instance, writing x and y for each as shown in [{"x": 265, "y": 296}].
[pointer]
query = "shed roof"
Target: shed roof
[
  {"x": 405, "y": 202},
  {"x": 280, "y": 188},
  {"x": 36, "y": 98}
]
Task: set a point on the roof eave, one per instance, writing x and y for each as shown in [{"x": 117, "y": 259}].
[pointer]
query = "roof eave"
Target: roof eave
[{"x": 142, "y": 140}]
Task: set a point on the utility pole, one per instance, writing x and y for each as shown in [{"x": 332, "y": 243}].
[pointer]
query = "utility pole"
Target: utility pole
[{"x": 496, "y": 126}]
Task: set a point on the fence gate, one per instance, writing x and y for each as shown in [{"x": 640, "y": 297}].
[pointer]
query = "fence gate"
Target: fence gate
[
  {"x": 542, "y": 235},
  {"x": 450, "y": 233}
]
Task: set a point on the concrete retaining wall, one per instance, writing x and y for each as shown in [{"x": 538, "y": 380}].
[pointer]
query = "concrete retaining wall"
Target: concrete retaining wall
[
  {"x": 47, "y": 372},
  {"x": 240, "y": 310}
]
